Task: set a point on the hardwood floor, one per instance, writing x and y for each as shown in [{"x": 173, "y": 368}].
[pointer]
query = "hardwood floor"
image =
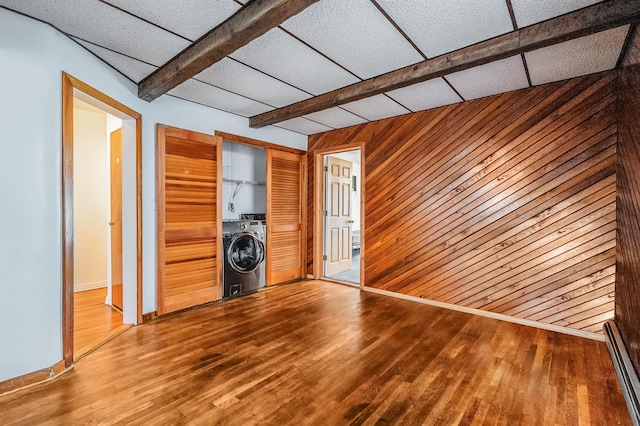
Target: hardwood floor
[
  {"x": 94, "y": 322},
  {"x": 324, "y": 353}
]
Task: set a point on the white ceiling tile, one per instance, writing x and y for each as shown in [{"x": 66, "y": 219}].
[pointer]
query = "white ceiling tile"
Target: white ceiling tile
[
  {"x": 132, "y": 68},
  {"x": 426, "y": 95},
  {"x": 529, "y": 12},
  {"x": 189, "y": 18},
  {"x": 206, "y": 94},
  {"x": 282, "y": 56},
  {"x": 486, "y": 80},
  {"x": 243, "y": 80},
  {"x": 354, "y": 34},
  {"x": 441, "y": 26},
  {"x": 376, "y": 108},
  {"x": 304, "y": 126},
  {"x": 335, "y": 117},
  {"x": 573, "y": 58},
  {"x": 106, "y": 26}
]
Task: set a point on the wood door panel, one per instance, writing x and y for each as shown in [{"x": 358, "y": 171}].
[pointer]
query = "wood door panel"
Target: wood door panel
[
  {"x": 284, "y": 254},
  {"x": 187, "y": 300},
  {"x": 188, "y": 211},
  {"x": 505, "y": 204},
  {"x": 338, "y": 220},
  {"x": 115, "y": 222},
  {"x": 181, "y": 252}
]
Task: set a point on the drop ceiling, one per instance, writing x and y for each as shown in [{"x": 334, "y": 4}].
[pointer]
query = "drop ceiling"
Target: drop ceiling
[{"x": 329, "y": 45}]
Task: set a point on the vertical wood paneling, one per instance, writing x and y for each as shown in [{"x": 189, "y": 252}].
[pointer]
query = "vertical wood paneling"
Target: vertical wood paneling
[
  {"x": 628, "y": 211},
  {"x": 187, "y": 186},
  {"x": 505, "y": 203}
]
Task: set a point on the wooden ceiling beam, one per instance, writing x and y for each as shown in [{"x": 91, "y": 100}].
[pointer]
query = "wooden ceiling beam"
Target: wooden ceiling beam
[
  {"x": 590, "y": 20},
  {"x": 247, "y": 24}
]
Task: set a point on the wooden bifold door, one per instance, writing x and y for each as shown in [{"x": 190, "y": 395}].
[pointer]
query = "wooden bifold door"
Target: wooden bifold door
[
  {"x": 285, "y": 216},
  {"x": 189, "y": 248}
]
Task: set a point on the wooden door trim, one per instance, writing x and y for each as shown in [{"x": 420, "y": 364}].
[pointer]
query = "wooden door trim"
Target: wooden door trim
[
  {"x": 69, "y": 83},
  {"x": 256, "y": 142},
  {"x": 318, "y": 202},
  {"x": 219, "y": 239},
  {"x": 160, "y": 216}
]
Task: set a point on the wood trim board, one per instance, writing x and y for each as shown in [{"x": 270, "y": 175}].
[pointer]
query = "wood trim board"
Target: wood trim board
[
  {"x": 256, "y": 142},
  {"x": 30, "y": 379},
  {"x": 502, "y": 317}
]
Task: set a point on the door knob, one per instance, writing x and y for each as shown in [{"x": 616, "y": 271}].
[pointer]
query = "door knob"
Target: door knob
[
  {"x": 111, "y": 223},
  {"x": 351, "y": 221}
]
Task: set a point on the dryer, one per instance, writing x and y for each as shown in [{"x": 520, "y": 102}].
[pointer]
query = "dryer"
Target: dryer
[{"x": 244, "y": 254}]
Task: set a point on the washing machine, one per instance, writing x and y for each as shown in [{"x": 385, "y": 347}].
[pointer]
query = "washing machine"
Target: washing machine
[{"x": 244, "y": 254}]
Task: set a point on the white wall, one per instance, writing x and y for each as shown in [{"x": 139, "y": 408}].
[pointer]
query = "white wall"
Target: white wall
[
  {"x": 32, "y": 58},
  {"x": 90, "y": 199},
  {"x": 245, "y": 163}
]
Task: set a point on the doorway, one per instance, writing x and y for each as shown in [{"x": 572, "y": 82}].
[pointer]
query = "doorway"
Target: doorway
[
  {"x": 339, "y": 181},
  {"x": 97, "y": 225},
  {"x": 101, "y": 218}
]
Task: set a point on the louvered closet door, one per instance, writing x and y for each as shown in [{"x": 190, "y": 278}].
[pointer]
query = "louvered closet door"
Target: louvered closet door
[
  {"x": 188, "y": 207},
  {"x": 285, "y": 177}
]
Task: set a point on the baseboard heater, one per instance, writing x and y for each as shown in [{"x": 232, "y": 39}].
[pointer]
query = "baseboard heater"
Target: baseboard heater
[{"x": 625, "y": 371}]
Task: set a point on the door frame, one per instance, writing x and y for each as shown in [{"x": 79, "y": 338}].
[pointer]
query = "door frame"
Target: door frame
[
  {"x": 318, "y": 204},
  {"x": 69, "y": 84}
]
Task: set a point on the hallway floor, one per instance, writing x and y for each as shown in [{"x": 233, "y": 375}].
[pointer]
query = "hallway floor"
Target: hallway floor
[
  {"x": 94, "y": 321},
  {"x": 352, "y": 275}
]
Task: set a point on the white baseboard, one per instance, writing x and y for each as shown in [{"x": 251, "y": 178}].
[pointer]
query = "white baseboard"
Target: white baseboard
[
  {"x": 480, "y": 312},
  {"x": 89, "y": 286}
]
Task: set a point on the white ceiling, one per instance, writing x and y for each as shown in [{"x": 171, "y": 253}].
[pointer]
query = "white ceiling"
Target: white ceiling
[{"x": 331, "y": 44}]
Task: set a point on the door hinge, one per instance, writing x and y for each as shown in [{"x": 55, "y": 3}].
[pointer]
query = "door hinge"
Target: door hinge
[
  {"x": 326, "y": 213},
  {"x": 324, "y": 257},
  {"x": 326, "y": 168}
]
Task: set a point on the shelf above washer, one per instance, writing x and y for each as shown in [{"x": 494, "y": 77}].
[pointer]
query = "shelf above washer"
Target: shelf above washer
[{"x": 243, "y": 182}]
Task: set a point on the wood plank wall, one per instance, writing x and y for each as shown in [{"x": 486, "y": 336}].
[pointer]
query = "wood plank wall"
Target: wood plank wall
[
  {"x": 505, "y": 204},
  {"x": 628, "y": 212}
]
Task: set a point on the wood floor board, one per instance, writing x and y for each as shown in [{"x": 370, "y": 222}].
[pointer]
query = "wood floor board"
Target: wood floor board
[
  {"x": 94, "y": 321},
  {"x": 321, "y": 353}
]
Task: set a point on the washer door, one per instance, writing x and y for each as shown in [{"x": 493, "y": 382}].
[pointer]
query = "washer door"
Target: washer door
[{"x": 245, "y": 253}]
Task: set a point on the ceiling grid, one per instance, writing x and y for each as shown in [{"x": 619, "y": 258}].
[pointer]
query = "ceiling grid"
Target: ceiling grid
[{"x": 330, "y": 45}]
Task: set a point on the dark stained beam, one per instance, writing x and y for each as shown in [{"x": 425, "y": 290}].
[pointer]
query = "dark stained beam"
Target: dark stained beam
[
  {"x": 590, "y": 20},
  {"x": 247, "y": 24}
]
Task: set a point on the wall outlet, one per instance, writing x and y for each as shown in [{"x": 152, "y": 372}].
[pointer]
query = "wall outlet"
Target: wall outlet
[{"x": 231, "y": 207}]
